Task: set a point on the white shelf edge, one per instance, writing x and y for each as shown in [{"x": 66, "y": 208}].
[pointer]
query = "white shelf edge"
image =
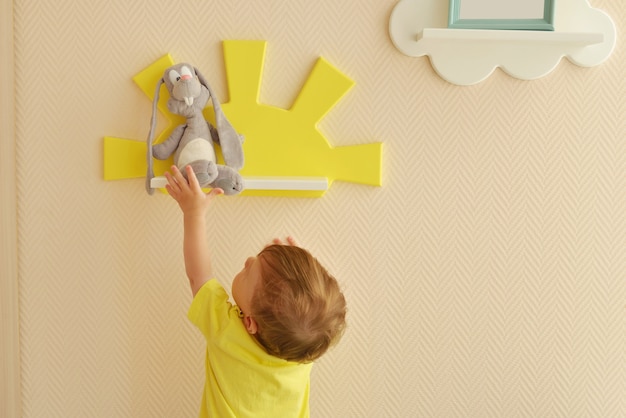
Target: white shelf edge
[
  {"x": 573, "y": 38},
  {"x": 267, "y": 183},
  {"x": 286, "y": 183},
  {"x": 158, "y": 182}
]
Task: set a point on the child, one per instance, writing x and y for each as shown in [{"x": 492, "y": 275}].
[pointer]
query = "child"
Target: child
[{"x": 289, "y": 312}]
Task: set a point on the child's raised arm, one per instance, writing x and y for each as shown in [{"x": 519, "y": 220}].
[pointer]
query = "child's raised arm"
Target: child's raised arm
[{"x": 194, "y": 204}]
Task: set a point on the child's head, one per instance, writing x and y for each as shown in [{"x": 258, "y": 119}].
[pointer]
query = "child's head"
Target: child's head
[{"x": 297, "y": 307}]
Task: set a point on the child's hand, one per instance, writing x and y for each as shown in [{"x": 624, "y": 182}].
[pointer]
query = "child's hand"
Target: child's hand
[
  {"x": 290, "y": 241},
  {"x": 189, "y": 195}
]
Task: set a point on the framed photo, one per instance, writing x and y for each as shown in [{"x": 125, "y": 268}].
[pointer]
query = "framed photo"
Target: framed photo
[{"x": 502, "y": 14}]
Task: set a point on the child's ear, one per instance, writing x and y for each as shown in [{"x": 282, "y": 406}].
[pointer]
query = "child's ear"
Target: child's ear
[{"x": 250, "y": 324}]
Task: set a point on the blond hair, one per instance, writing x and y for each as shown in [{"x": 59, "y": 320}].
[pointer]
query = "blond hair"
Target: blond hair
[{"x": 298, "y": 306}]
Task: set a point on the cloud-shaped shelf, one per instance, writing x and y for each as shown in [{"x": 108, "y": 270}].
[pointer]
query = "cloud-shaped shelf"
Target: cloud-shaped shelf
[{"x": 586, "y": 36}]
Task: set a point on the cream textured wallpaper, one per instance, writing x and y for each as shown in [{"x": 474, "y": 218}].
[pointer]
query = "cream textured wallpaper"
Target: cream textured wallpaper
[{"x": 486, "y": 278}]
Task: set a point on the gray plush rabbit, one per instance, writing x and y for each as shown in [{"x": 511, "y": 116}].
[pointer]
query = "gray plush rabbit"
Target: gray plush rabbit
[{"x": 192, "y": 143}]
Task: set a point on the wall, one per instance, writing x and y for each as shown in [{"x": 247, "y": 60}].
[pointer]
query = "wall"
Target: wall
[
  {"x": 485, "y": 278},
  {"x": 9, "y": 325}
]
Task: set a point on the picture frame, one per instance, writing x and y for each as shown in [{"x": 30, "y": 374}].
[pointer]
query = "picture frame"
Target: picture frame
[{"x": 502, "y": 14}]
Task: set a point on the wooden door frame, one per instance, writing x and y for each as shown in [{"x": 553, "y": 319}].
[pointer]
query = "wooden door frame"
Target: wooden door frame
[{"x": 10, "y": 383}]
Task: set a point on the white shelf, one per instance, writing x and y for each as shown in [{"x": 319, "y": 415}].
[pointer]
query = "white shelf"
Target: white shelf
[
  {"x": 286, "y": 183},
  {"x": 584, "y": 35},
  {"x": 268, "y": 183},
  {"x": 572, "y": 38}
]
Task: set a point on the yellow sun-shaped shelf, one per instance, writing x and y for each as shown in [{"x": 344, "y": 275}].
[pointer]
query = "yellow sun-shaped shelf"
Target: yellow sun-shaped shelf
[{"x": 285, "y": 154}]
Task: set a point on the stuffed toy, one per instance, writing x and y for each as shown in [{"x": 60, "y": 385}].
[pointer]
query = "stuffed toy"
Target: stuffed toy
[{"x": 192, "y": 143}]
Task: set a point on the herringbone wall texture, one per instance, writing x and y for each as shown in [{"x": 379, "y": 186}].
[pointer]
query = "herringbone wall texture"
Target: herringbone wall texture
[{"x": 486, "y": 278}]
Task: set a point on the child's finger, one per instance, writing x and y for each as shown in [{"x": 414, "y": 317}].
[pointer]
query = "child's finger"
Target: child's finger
[
  {"x": 215, "y": 192},
  {"x": 178, "y": 177},
  {"x": 289, "y": 241},
  {"x": 170, "y": 180},
  {"x": 193, "y": 180}
]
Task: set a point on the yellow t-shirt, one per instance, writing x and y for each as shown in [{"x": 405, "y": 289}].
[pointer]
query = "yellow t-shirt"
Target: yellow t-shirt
[{"x": 242, "y": 380}]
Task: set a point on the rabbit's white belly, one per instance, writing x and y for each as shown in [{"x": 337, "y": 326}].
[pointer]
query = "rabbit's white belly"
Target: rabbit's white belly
[{"x": 196, "y": 149}]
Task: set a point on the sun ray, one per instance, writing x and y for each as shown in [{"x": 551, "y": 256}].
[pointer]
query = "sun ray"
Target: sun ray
[
  {"x": 244, "y": 86},
  {"x": 324, "y": 87}
]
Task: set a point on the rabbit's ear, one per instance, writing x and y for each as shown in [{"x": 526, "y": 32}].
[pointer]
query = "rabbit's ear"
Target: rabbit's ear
[
  {"x": 201, "y": 78},
  {"x": 230, "y": 141},
  {"x": 153, "y": 121}
]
